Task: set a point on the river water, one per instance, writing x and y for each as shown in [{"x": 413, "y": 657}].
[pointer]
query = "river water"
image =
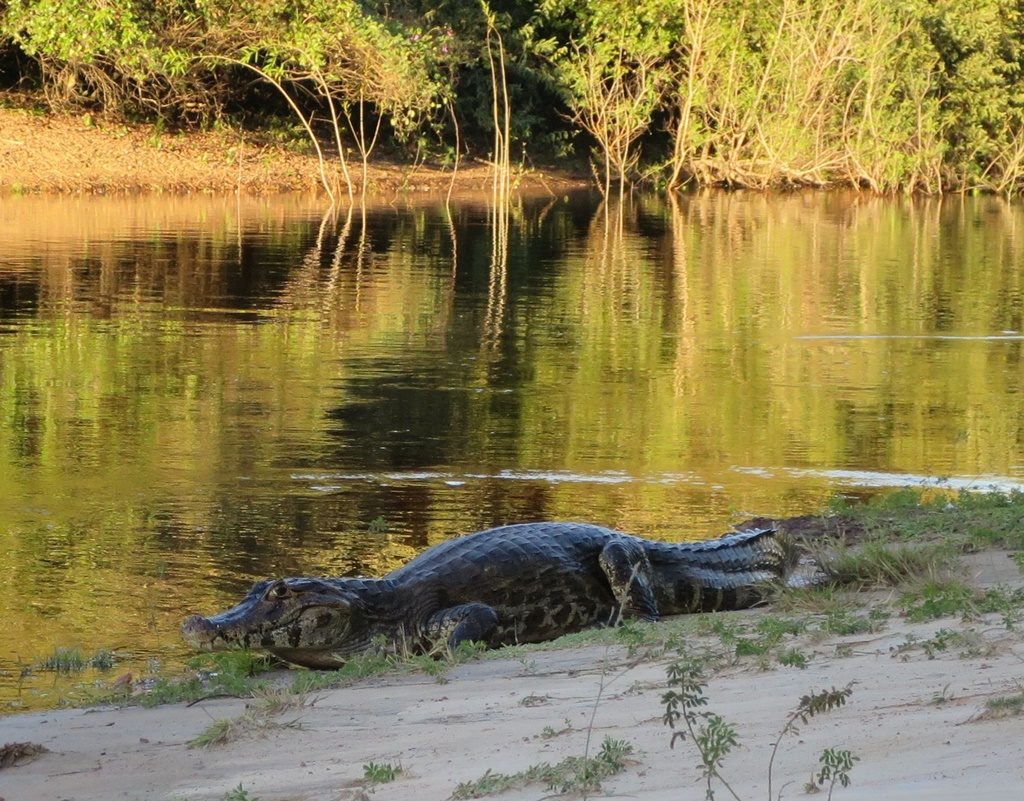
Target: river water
[{"x": 198, "y": 392}]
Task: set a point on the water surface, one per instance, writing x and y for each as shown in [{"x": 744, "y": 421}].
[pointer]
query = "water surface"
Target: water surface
[{"x": 195, "y": 393}]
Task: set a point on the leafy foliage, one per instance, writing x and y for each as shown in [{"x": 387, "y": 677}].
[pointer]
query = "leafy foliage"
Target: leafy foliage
[
  {"x": 923, "y": 94},
  {"x": 714, "y": 738}
]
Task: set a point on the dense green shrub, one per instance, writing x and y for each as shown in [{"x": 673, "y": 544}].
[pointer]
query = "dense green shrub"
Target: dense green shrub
[{"x": 914, "y": 94}]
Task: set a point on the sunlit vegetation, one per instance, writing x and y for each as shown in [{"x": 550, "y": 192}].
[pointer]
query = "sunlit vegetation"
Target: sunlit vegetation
[{"x": 916, "y": 95}]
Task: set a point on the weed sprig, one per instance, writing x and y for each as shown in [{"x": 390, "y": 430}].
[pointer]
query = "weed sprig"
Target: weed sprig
[{"x": 685, "y": 701}]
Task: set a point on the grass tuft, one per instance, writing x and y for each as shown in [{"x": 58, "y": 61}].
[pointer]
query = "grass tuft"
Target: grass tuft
[
  {"x": 65, "y": 660},
  {"x": 1004, "y": 706},
  {"x": 225, "y": 730},
  {"x": 571, "y": 775},
  {"x": 877, "y": 563}
]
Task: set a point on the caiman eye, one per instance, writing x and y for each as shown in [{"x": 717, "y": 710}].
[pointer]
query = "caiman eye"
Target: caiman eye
[{"x": 277, "y": 591}]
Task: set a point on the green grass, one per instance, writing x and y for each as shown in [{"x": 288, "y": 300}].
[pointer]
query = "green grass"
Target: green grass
[
  {"x": 1005, "y": 706},
  {"x": 969, "y": 520},
  {"x": 72, "y": 660},
  {"x": 381, "y": 772},
  {"x": 1009, "y": 603},
  {"x": 225, "y": 730},
  {"x": 571, "y": 775},
  {"x": 172, "y": 691},
  {"x": 218, "y": 732},
  {"x": 376, "y": 663},
  {"x": 844, "y": 623},
  {"x": 884, "y": 563},
  {"x": 65, "y": 660},
  {"x": 223, "y": 673},
  {"x": 776, "y": 627},
  {"x": 358, "y": 667},
  {"x": 936, "y": 599}
]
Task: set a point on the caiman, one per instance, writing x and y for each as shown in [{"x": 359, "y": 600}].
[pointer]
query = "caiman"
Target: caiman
[{"x": 513, "y": 584}]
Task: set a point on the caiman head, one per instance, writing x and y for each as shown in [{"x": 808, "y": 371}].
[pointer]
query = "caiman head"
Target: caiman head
[{"x": 317, "y": 623}]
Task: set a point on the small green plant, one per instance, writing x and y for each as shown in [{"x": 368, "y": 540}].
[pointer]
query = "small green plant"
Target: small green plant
[
  {"x": 103, "y": 659},
  {"x": 937, "y": 599},
  {"x": 548, "y": 732},
  {"x": 714, "y": 738},
  {"x": 239, "y": 794},
  {"x": 791, "y": 657},
  {"x": 808, "y": 707},
  {"x": 836, "y": 765},
  {"x": 381, "y": 772},
  {"x": 1008, "y": 603},
  {"x": 747, "y": 646},
  {"x": 943, "y": 640},
  {"x": 631, "y": 635}
]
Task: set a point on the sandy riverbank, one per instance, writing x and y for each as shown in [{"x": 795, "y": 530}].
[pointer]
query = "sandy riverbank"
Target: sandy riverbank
[
  {"x": 917, "y": 719},
  {"x": 89, "y": 153}
]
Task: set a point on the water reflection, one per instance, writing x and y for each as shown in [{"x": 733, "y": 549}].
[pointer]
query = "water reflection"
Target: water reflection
[{"x": 198, "y": 392}]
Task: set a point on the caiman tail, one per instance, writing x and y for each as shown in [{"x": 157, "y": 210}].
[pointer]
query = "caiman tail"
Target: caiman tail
[{"x": 731, "y": 572}]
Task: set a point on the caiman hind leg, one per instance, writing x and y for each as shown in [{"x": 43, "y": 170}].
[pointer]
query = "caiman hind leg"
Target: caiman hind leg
[
  {"x": 629, "y": 573},
  {"x": 463, "y": 623}
]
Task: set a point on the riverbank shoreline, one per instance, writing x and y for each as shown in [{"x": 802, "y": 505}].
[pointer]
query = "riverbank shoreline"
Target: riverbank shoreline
[
  {"x": 90, "y": 154},
  {"x": 932, "y": 714}
]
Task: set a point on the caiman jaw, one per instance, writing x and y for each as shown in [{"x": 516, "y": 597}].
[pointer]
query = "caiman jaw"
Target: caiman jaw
[
  {"x": 201, "y": 634},
  {"x": 302, "y": 620}
]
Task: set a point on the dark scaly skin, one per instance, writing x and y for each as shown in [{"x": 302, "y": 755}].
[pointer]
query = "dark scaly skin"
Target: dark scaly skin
[{"x": 521, "y": 583}]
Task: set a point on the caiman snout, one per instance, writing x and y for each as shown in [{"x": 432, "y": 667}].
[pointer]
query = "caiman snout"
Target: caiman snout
[{"x": 198, "y": 631}]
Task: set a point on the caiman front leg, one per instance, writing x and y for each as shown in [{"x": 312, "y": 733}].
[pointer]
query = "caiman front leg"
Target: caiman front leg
[
  {"x": 630, "y": 575},
  {"x": 463, "y": 623}
]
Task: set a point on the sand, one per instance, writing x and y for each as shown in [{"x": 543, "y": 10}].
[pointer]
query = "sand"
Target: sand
[
  {"x": 918, "y": 722},
  {"x": 90, "y": 153}
]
